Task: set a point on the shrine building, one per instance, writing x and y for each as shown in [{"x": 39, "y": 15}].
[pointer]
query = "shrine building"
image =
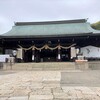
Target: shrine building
[{"x": 51, "y": 41}]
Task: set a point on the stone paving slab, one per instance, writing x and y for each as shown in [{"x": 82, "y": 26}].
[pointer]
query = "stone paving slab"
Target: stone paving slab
[
  {"x": 41, "y": 97},
  {"x": 83, "y": 78},
  {"x": 43, "y": 85},
  {"x": 19, "y": 98}
]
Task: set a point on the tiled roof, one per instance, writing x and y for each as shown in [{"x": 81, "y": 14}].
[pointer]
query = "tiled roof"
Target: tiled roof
[{"x": 51, "y": 28}]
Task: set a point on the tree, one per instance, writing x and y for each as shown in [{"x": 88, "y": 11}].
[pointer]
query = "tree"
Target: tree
[{"x": 96, "y": 25}]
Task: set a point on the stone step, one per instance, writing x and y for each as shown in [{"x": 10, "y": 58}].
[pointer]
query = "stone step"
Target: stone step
[{"x": 42, "y": 66}]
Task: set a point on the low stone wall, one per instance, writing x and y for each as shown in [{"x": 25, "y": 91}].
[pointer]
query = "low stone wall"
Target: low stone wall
[
  {"x": 94, "y": 65},
  {"x": 81, "y": 64},
  {"x": 78, "y": 65},
  {"x": 40, "y": 66},
  {"x": 1, "y": 65}
]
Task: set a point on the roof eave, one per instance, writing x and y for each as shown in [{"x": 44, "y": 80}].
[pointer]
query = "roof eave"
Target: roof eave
[{"x": 44, "y": 36}]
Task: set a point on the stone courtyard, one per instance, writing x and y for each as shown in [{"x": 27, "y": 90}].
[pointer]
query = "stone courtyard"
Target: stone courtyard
[{"x": 50, "y": 85}]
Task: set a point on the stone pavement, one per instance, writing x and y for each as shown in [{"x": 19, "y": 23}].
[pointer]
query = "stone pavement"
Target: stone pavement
[
  {"x": 43, "y": 85},
  {"x": 81, "y": 78}
]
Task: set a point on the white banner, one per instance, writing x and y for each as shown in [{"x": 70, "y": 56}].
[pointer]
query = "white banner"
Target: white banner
[
  {"x": 3, "y": 58},
  {"x": 90, "y": 51},
  {"x": 73, "y": 52},
  {"x": 20, "y": 53}
]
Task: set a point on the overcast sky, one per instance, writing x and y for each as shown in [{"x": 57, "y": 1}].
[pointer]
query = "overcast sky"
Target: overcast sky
[{"x": 43, "y": 10}]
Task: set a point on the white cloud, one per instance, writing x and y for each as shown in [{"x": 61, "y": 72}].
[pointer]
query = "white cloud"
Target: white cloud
[
  {"x": 5, "y": 24},
  {"x": 39, "y": 10}
]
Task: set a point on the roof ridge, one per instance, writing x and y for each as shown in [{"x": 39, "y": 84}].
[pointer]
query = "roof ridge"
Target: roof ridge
[{"x": 51, "y": 22}]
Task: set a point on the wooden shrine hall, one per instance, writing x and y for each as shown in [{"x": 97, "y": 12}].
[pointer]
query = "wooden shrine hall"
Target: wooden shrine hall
[{"x": 48, "y": 41}]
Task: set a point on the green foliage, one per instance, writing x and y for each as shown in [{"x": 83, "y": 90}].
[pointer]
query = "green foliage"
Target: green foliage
[{"x": 96, "y": 25}]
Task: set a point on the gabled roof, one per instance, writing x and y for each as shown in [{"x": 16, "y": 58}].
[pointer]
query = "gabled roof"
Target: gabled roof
[{"x": 51, "y": 28}]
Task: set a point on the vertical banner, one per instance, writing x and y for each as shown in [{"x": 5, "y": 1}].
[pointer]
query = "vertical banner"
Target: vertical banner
[
  {"x": 20, "y": 53},
  {"x": 59, "y": 55},
  {"x": 33, "y": 55},
  {"x": 73, "y": 52}
]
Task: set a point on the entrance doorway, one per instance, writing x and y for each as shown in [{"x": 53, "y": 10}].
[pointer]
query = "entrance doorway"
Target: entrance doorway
[
  {"x": 28, "y": 56},
  {"x": 48, "y": 55},
  {"x": 65, "y": 55}
]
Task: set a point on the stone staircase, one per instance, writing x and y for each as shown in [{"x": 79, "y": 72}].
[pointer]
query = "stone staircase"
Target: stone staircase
[{"x": 41, "y": 66}]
